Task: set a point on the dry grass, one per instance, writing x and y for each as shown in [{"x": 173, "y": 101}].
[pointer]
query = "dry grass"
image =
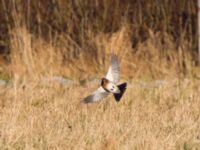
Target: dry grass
[
  {"x": 33, "y": 57},
  {"x": 38, "y": 117},
  {"x": 75, "y": 39}
]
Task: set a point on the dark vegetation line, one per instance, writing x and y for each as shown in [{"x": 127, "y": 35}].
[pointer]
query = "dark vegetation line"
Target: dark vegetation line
[{"x": 76, "y": 18}]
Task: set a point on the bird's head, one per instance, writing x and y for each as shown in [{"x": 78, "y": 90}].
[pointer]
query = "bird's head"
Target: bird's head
[{"x": 104, "y": 81}]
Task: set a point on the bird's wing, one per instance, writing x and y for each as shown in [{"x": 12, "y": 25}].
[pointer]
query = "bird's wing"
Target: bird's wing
[
  {"x": 97, "y": 95},
  {"x": 114, "y": 70}
]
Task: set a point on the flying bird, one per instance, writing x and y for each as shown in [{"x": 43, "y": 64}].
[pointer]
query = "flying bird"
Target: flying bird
[{"x": 109, "y": 84}]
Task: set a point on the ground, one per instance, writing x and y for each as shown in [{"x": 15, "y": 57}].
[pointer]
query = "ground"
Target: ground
[{"x": 36, "y": 116}]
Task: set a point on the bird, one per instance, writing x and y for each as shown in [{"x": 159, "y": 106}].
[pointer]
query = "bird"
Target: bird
[{"x": 109, "y": 84}]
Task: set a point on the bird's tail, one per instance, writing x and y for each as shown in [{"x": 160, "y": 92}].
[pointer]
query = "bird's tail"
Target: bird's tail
[{"x": 122, "y": 88}]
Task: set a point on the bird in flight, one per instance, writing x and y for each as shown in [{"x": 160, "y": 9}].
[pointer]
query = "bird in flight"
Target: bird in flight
[{"x": 109, "y": 84}]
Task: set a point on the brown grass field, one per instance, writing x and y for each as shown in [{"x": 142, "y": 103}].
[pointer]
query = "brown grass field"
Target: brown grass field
[
  {"x": 34, "y": 116},
  {"x": 75, "y": 39}
]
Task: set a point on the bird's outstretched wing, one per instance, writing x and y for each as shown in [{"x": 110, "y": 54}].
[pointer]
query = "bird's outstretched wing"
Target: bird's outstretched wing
[
  {"x": 114, "y": 70},
  {"x": 97, "y": 95}
]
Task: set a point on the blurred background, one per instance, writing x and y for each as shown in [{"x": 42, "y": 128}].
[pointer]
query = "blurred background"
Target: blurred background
[{"x": 74, "y": 38}]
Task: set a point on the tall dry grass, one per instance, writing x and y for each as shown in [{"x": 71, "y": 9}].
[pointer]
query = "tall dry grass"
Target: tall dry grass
[
  {"x": 153, "y": 40},
  {"x": 76, "y": 37}
]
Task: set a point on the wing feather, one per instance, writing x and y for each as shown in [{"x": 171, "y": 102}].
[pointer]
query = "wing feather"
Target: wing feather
[
  {"x": 114, "y": 70},
  {"x": 97, "y": 95}
]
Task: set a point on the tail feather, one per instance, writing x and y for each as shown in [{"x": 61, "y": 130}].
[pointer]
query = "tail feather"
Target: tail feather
[{"x": 122, "y": 88}]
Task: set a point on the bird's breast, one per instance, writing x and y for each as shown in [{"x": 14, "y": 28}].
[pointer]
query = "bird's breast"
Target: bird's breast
[{"x": 111, "y": 88}]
